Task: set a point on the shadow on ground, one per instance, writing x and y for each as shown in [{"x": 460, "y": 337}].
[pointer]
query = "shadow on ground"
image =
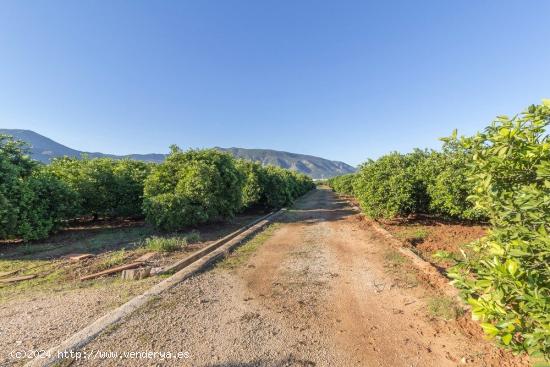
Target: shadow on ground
[
  {"x": 286, "y": 362},
  {"x": 317, "y": 206}
]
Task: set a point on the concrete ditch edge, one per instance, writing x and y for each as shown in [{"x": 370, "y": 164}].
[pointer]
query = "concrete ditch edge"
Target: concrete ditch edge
[{"x": 178, "y": 265}]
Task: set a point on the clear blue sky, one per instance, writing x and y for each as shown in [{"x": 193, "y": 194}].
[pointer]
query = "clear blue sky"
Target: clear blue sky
[{"x": 344, "y": 80}]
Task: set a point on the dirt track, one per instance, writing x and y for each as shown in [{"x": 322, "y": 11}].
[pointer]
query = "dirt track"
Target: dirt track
[{"x": 317, "y": 293}]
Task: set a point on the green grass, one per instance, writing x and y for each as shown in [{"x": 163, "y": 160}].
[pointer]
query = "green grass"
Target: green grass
[
  {"x": 49, "y": 268},
  {"x": 108, "y": 238},
  {"x": 55, "y": 281},
  {"x": 394, "y": 258},
  {"x": 399, "y": 267},
  {"x": 165, "y": 244},
  {"x": 59, "y": 274},
  {"x": 113, "y": 259},
  {"x": 443, "y": 307},
  {"x": 193, "y": 237},
  {"x": 51, "y": 278},
  {"x": 413, "y": 234},
  {"x": 243, "y": 253},
  {"x": 84, "y": 241},
  {"x": 171, "y": 244}
]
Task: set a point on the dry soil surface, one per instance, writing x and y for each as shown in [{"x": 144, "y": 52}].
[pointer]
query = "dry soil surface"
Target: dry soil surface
[
  {"x": 316, "y": 293},
  {"x": 45, "y": 319}
]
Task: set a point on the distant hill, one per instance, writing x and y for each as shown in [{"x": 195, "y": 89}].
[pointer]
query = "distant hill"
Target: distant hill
[
  {"x": 312, "y": 166},
  {"x": 44, "y": 149}
]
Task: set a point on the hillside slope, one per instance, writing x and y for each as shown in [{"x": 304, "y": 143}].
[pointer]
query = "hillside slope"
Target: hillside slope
[
  {"x": 313, "y": 166},
  {"x": 44, "y": 149}
]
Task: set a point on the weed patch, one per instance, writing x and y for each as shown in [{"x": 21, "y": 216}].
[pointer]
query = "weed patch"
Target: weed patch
[
  {"x": 243, "y": 253},
  {"x": 394, "y": 258},
  {"x": 113, "y": 259},
  {"x": 444, "y": 308},
  {"x": 414, "y": 236},
  {"x": 165, "y": 244},
  {"x": 193, "y": 237}
]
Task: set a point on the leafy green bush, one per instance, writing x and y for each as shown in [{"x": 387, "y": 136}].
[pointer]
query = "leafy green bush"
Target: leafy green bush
[
  {"x": 276, "y": 191},
  {"x": 418, "y": 182},
  {"x": 342, "y": 184},
  {"x": 391, "y": 186},
  {"x": 33, "y": 203},
  {"x": 46, "y": 203},
  {"x": 254, "y": 176},
  {"x": 280, "y": 187},
  {"x": 198, "y": 186},
  {"x": 507, "y": 279},
  {"x": 445, "y": 175},
  {"x": 130, "y": 178},
  {"x": 15, "y": 167},
  {"x": 105, "y": 187},
  {"x": 192, "y": 187},
  {"x": 187, "y": 189}
]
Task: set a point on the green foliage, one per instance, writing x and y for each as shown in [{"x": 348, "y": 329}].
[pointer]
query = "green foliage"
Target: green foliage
[
  {"x": 280, "y": 187},
  {"x": 46, "y": 203},
  {"x": 507, "y": 279},
  {"x": 443, "y": 255},
  {"x": 277, "y": 192},
  {"x": 198, "y": 186},
  {"x": 130, "y": 177},
  {"x": 15, "y": 167},
  {"x": 413, "y": 235},
  {"x": 445, "y": 175},
  {"x": 166, "y": 244},
  {"x": 105, "y": 187},
  {"x": 189, "y": 188},
  {"x": 193, "y": 187},
  {"x": 254, "y": 176},
  {"x": 271, "y": 187},
  {"x": 342, "y": 184},
  {"x": 391, "y": 186},
  {"x": 419, "y": 182},
  {"x": 114, "y": 258},
  {"x": 193, "y": 237},
  {"x": 33, "y": 203}
]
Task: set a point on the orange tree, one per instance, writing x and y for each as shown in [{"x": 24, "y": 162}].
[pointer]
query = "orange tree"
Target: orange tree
[
  {"x": 192, "y": 187},
  {"x": 33, "y": 202},
  {"x": 507, "y": 278}
]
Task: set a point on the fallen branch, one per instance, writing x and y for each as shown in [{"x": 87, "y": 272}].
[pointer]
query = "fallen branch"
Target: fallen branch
[{"x": 4, "y": 274}]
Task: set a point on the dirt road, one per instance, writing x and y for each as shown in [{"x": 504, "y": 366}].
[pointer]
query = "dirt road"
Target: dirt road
[{"x": 322, "y": 290}]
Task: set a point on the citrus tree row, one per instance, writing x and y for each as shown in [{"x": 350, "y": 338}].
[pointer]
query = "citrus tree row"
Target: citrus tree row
[
  {"x": 188, "y": 188},
  {"x": 198, "y": 186},
  {"x": 501, "y": 175},
  {"x": 428, "y": 182}
]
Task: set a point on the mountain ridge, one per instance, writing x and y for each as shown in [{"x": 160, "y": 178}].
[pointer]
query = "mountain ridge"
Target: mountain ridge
[{"x": 44, "y": 149}]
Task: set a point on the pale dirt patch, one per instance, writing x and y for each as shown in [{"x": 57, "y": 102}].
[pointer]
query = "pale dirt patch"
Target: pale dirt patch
[{"x": 45, "y": 319}]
